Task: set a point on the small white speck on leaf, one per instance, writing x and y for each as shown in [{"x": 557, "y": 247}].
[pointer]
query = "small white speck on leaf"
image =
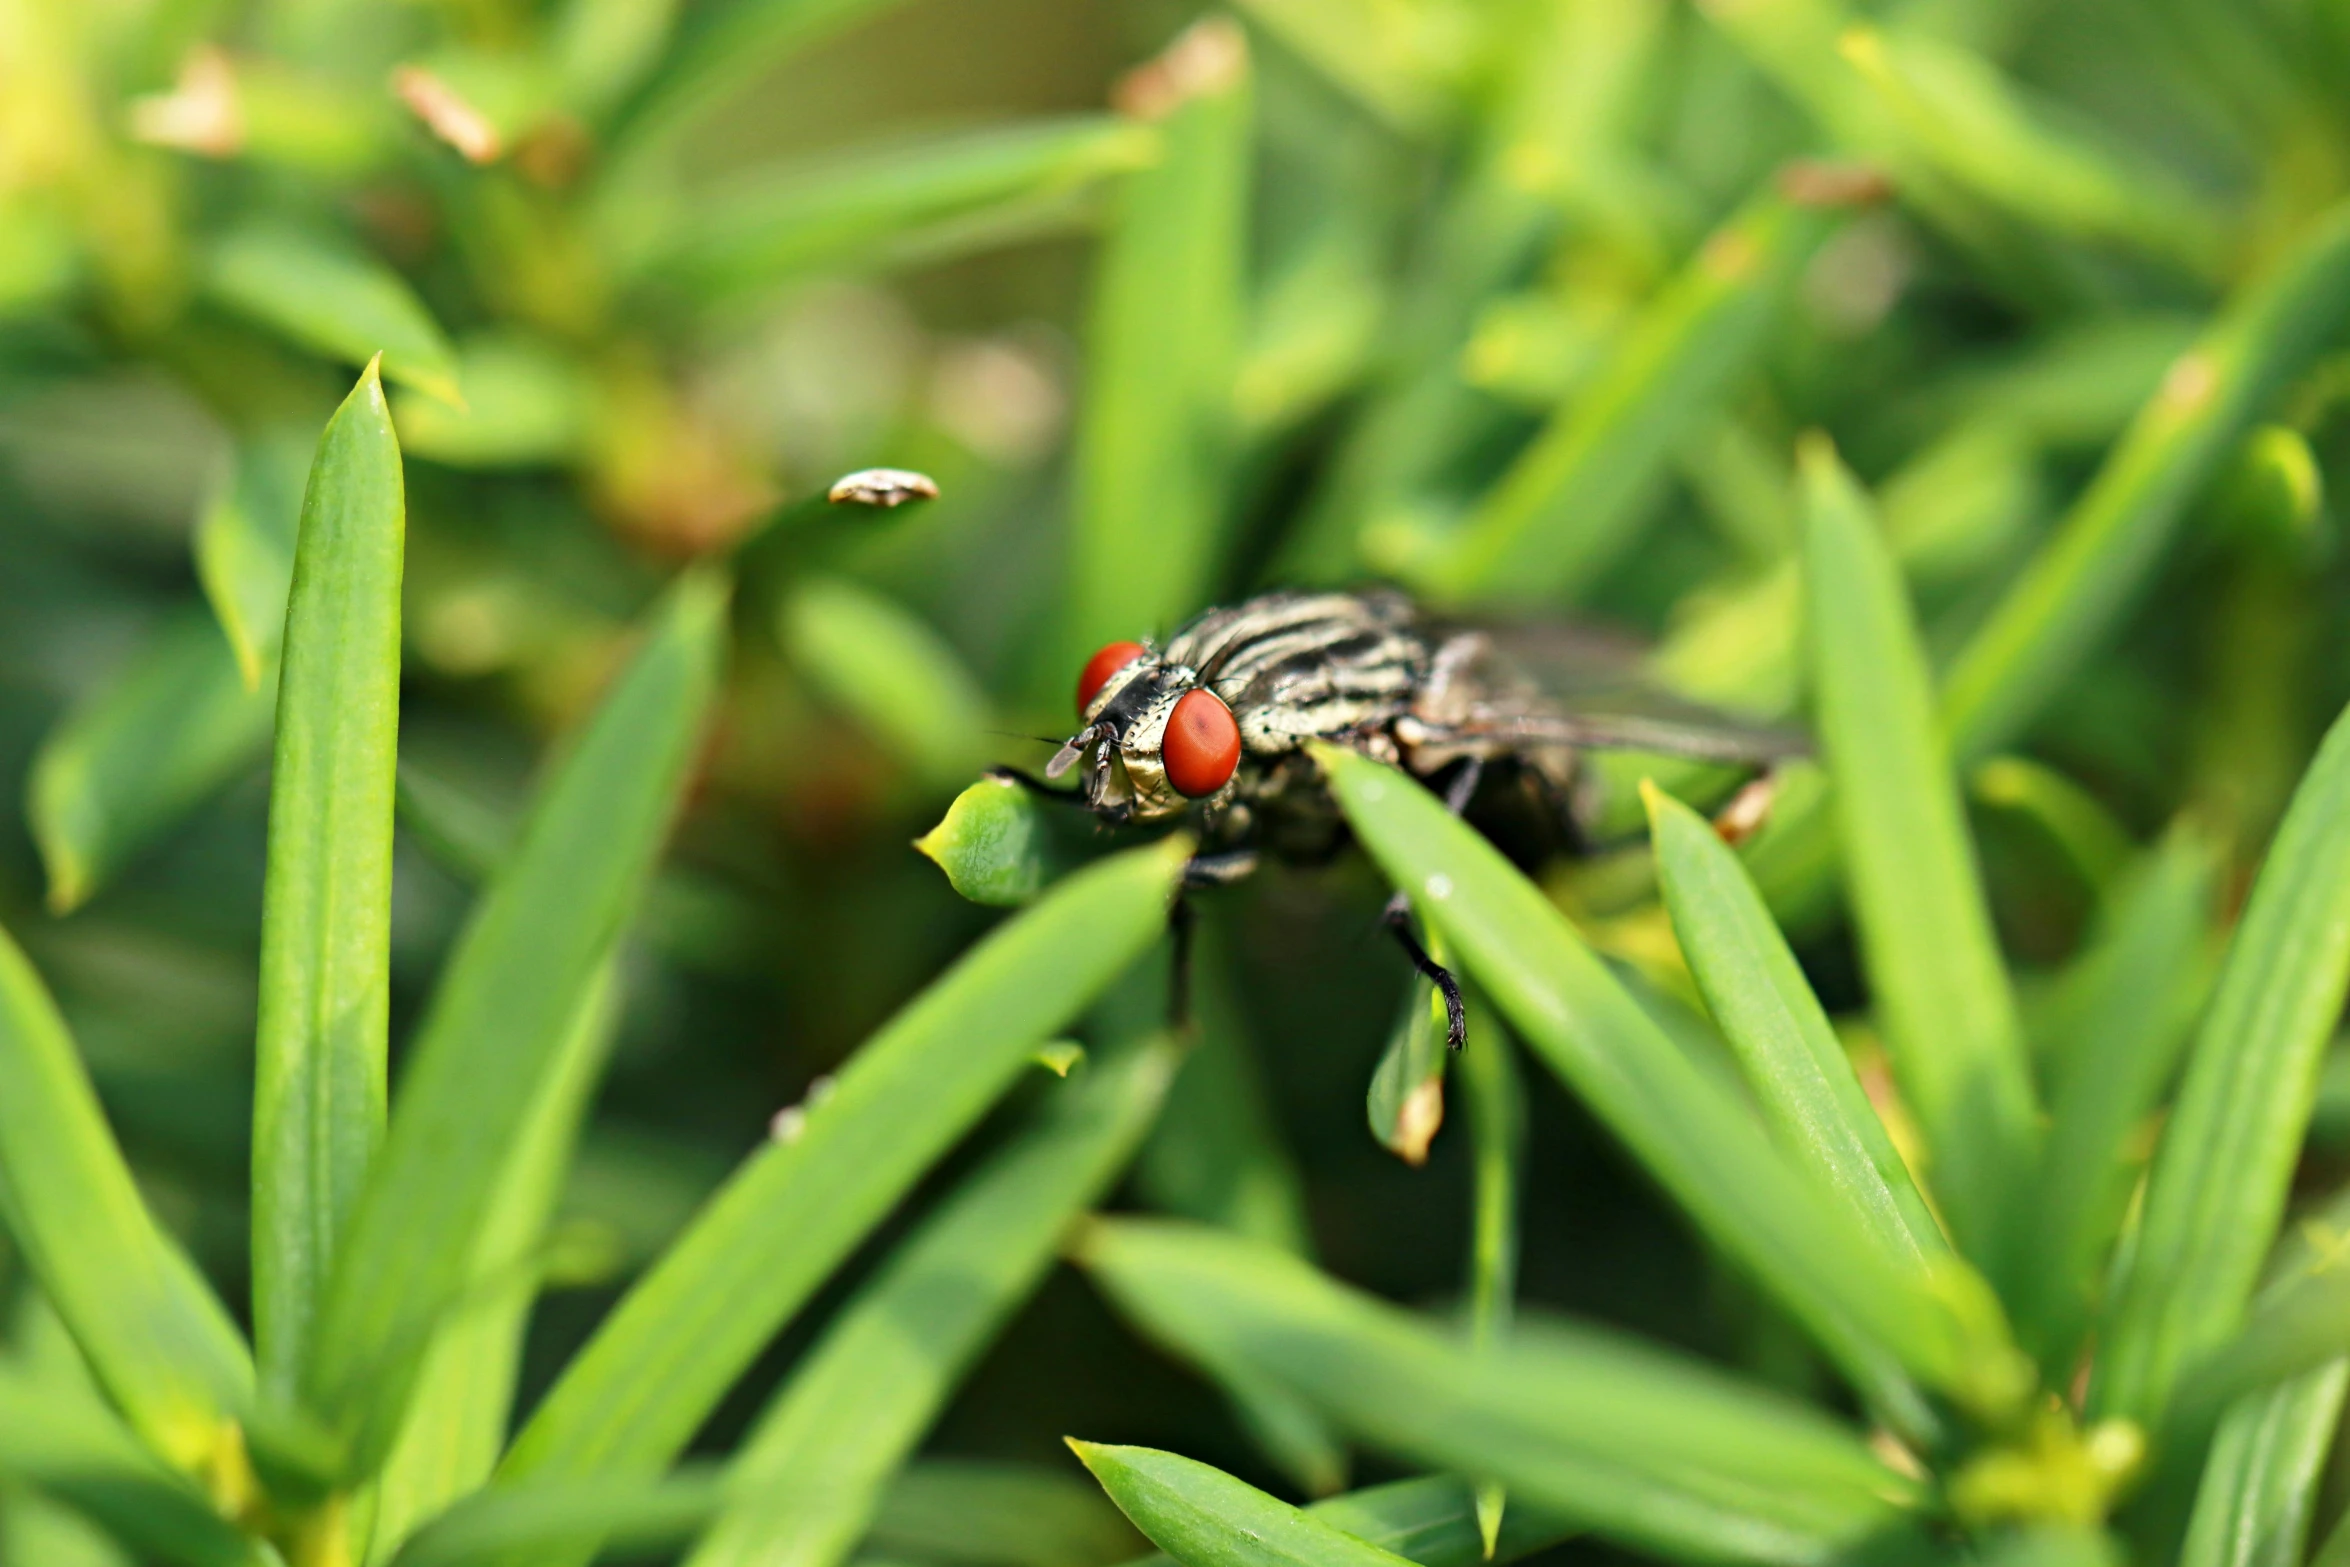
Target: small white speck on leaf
[
  {"x": 887, "y": 488},
  {"x": 1439, "y": 886}
]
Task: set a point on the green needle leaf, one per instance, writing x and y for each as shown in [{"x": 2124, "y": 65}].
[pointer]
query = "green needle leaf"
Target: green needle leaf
[
  {"x": 326, "y": 902},
  {"x": 2066, "y": 602},
  {"x": 1657, "y": 1453},
  {"x": 132, "y": 761},
  {"x": 1791, "y": 1056},
  {"x": 1497, "y": 1127},
  {"x": 666, "y": 1355},
  {"x": 2259, "y": 1491},
  {"x": 2120, "y": 1022},
  {"x": 737, "y": 245},
  {"x": 1960, "y": 113},
  {"x": 244, "y": 547},
  {"x": 1935, "y": 973},
  {"x": 1153, "y": 445},
  {"x": 546, "y": 1518},
  {"x": 333, "y": 301},
  {"x": 155, "y": 1336},
  {"x": 2219, "y": 1182},
  {"x": 1574, "y": 499},
  {"x": 1204, "y": 1518},
  {"x": 1704, "y": 1146},
  {"x": 812, "y": 1471},
  {"x": 1405, "y": 1105},
  {"x": 895, "y": 675},
  {"x": 486, "y": 1053},
  {"x": 1432, "y": 1520},
  {"x": 457, "y": 1423},
  {"x": 998, "y": 1515},
  {"x": 997, "y": 845},
  {"x": 71, "y": 1449}
]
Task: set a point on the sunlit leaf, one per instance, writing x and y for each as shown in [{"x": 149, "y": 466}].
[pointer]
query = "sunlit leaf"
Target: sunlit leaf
[
  {"x": 811, "y": 1471},
  {"x": 2220, "y": 1175},
  {"x": 488, "y": 1045},
  {"x": 1936, "y": 977},
  {"x": 1641, "y": 1446},
  {"x": 155, "y": 1336},
  {"x": 678, "y": 1340},
  {"x": 326, "y": 912}
]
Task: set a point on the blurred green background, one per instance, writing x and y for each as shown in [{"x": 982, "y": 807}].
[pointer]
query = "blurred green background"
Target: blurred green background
[{"x": 1523, "y": 303}]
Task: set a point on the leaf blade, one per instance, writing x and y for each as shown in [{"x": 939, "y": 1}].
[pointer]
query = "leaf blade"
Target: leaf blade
[
  {"x": 74, "y": 1451},
  {"x": 810, "y": 1475},
  {"x": 1573, "y": 499},
  {"x": 1699, "y": 1143},
  {"x": 156, "y": 1338},
  {"x": 2070, "y": 595},
  {"x": 666, "y": 1354},
  {"x": 743, "y": 242},
  {"x": 333, "y": 301},
  {"x": 1791, "y": 1056},
  {"x": 1154, "y": 436},
  {"x": 1632, "y": 1443},
  {"x": 1936, "y": 975},
  {"x": 506, "y": 997},
  {"x": 457, "y": 1423},
  {"x": 1205, "y": 1518},
  {"x": 326, "y": 903},
  {"x": 2219, "y": 1180},
  {"x": 137, "y": 756}
]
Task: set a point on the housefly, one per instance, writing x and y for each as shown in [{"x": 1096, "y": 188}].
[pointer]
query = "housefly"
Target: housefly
[{"x": 1216, "y": 719}]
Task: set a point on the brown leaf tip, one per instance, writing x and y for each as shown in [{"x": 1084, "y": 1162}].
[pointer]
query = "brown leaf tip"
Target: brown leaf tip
[
  {"x": 201, "y": 114},
  {"x": 446, "y": 113},
  {"x": 1835, "y": 182},
  {"x": 884, "y": 487},
  {"x": 1208, "y": 56},
  {"x": 1748, "y": 809},
  {"x": 1417, "y": 1121}
]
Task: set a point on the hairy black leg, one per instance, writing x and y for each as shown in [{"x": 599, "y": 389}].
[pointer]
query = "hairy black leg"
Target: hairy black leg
[
  {"x": 1220, "y": 869},
  {"x": 1463, "y": 787},
  {"x": 1180, "y": 919},
  {"x": 1397, "y": 917}
]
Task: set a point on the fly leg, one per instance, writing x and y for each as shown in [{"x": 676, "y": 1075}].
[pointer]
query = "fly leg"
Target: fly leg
[
  {"x": 1397, "y": 917},
  {"x": 1220, "y": 869}
]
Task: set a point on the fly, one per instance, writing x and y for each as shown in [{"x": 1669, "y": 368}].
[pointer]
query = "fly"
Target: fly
[{"x": 1217, "y": 719}]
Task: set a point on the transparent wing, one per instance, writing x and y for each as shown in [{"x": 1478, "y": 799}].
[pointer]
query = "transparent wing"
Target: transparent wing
[
  {"x": 1704, "y": 737},
  {"x": 1551, "y": 684}
]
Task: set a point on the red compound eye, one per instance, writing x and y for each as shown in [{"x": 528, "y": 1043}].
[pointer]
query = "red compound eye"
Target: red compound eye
[
  {"x": 1099, "y": 668},
  {"x": 1202, "y": 745}
]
